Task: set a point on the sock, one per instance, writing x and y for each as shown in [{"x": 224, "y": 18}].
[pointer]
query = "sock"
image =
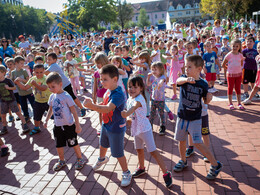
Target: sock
[
  {"x": 191, "y": 147},
  {"x": 37, "y": 128},
  {"x": 101, "y": 159},
  {"x": 126, "y": 172}
]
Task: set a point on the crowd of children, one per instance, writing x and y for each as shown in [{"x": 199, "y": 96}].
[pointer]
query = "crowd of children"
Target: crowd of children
[{"x": 129, "y": 76}]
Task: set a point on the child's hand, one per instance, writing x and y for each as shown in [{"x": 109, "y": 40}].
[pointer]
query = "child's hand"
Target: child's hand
[
  {"x": 87, "y": 102},
  {"x": 7, "y": 87},
  {"x": 33, "y": 82},
  {"x": 78, "y": 129},
  {"x": 191, "y": 80},
  {"x": 45, "y": 124},
  {"x": 128, "y": 123},
  {"x": 17, "y": 80},
  {"x": 124, "y": 113},
  {"x": 150, "y": 74}
]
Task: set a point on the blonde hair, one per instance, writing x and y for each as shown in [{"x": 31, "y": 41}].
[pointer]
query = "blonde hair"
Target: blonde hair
[
  {"x": 237, "y": 41},
  {"x": 117, "y": 59},
  {"x": 146, "y": 56},
  {"x": 160, "y": 66},
  {"x": 101, "y": 58}
]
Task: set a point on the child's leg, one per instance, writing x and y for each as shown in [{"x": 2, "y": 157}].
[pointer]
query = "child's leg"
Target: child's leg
[
  {"x": 206, "y": 152},
  {"x": 60, "y": 152},
  {"x": 3, "y": 116},
  {"x": 140, "y": 154},
  {"x": 159, "y": 160},
  {"x": 238, "y": 89},
  {"x": 190, "y": 142},
  {"x": 77, "y": 151},
  {"x": 123, "y": 163},
  {"x": 19, "y": 114},
  {"x": 182, "y": 150},
  {"x": 225, "y": 74},
  {"x": 174, "y": 89},
  {"x": 72, "y": 80},
  {"x": 147, "y": 96},
  {"x": 77, "y": 83},
  {"x": 231, "y": 83},
  {"x": 212, "y": 83},
  {"x": 102, "y": 152},
  {"x": 161, "y": 112},
  {"x": 245, "y": 87},
  {"x": 82, "y": 80},
  {"x": 153, "y": 111},
  {"x": 206, "y": 141},
  {"x": 24, "y": 106},
  {"x": 37, "y": 123},
  {"x": 1, "y": 142},
  {"x": 253, "y": 92}
]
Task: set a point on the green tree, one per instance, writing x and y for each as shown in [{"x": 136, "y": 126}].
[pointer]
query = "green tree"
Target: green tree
[
  {"x": 125, "y": 12},
  {"x": 143, "y": 19}
]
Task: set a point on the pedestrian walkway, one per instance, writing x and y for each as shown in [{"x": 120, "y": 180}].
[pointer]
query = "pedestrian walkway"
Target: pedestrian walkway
[{"x": 235, "y": 141}]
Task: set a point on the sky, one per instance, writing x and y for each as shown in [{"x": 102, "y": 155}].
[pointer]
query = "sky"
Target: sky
[{"x": 56, "y": 5}]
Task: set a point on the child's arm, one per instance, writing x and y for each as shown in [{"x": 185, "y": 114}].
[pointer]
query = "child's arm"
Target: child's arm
[
  {"x": 121, "y": 72},
  {"x": 99, "y": 108},
  {"x": 139, "y": 64},
  {"x": 225, "y": 62},
  {"x": 208, "y": 98},
  {"x": 148, "y": 82},
  {"x": 167, "y": 57},
  {"x": 183, "y": 80},
  {"x": 49, "y": 113},
  {"x": 127, "y": 113},
  {"x": 161, "y": 82},
  {"x": 94, "y": 95},
  {"x": 76, "y": 118},
  {"x": 10, "y": 88},
  {"x": 39, "y": 87},
  {"x": 218, "y": 63},
  {"x": 21, "y": 85}
]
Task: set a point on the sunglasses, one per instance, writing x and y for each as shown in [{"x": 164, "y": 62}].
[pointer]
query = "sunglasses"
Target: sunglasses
[{"x": 4, "y": 41}]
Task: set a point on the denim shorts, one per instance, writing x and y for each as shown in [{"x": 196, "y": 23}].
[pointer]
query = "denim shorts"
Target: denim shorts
[{"x": 113, "y": 140}]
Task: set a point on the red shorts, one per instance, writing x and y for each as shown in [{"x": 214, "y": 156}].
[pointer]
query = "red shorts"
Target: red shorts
[{"x": 211, "y": 76}]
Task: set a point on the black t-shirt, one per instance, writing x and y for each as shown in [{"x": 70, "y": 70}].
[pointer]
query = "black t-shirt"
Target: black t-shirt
[
  {"x": 190, "y": 99},
  {"x": 107, "y": 42},
  {"x": 5, "y": 94}
]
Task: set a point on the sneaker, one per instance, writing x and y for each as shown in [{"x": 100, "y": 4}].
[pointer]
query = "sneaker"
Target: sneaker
[
  {"x": 168, "y": 179},
  {"x": 25, "y": 128},
  {"x": 4, "y": 151},
  {"x": 205, "y": 159},
  {"x": 210, "y": 90},
  {"x": 138, "y": 172},
  {"x": 241, "y": 107},
  {"x": 11, "y": 119},
  {"x": 162, "y": 130},
  {"x": 83, "y": 112},
  {"x": 59, "y": 165},
  {"x": 180, "y": 166},
  {"x": 80, "y": 163},
  {"x": 35, "y": 131},
  {"x": 214, "y": 171},
  {"x": 246, "y": 95},
  {"x": 85, "y": 90},
  {"x": 99, "y": 163},
  {"x": 215, "y": 90},
  {"x": 52, "y": 117},
  {"x": 220, "y": 82},
  {"x": 126, "y": 179},
  {"x": 189, "y": 152},
  {"x": 27, "y": 119},
  {"x": 170, "y": 115},
  {"x": 4, "y": 130},
  {"x": 174, "y": 97},
  {"x": 247, "y": 101},
  {"x": 231, "y": 107},
  {"x": 257, "y": 95}
]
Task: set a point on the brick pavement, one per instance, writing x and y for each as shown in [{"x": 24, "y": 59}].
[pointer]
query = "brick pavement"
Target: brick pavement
[{"x": 235, "y": 142}]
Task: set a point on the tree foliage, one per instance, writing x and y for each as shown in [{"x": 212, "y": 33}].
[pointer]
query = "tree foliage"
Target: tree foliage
[
  {"x": 125, "y": 12},
  {"x": 143, "y": 19},
  {"x": 222, "y": 8},
  {"x": 17, "y": 20}
]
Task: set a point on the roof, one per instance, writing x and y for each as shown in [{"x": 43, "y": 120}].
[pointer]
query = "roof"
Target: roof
[
  {"x": 174, "y": 3},
  {"x": 153, "y": 6}
]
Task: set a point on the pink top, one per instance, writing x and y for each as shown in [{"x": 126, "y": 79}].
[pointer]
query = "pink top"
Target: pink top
[
  {"x": 234, "y": 67},
  {"x": 100, "y": 89}
]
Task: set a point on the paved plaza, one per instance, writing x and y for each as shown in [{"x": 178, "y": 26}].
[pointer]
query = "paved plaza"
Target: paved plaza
[{"x": 235, "y": 141}]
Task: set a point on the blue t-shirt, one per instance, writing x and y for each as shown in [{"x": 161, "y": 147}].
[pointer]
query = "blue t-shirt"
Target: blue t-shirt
[
  {"x": 56, "y": 68},
  {"x": 113, "y": 121},
  {"x": 190, "y": 99},
  {"x": 202, "y": 48},
  {"x": 210, "y": 61},
  {"x": 8, "y": 52},
  {"x": 31, "y": 64}
]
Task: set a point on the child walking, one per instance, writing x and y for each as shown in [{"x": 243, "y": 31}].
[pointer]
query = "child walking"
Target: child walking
[
  {"x": 114, "y": 125},
  {"x": 157, "y": 80},
  {"x": 66, "y": 120},
  {"x": 233, "y": 62},
  {"x": 192, "y": 90},
  {"x": 141, "y": 128}
]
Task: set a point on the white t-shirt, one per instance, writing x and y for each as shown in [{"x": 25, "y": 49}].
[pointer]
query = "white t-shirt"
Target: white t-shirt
[
  {"x": 157, "y": 57},
  {"x": 140, "y": 123},
  {"x": 61, "y": 104},
  {"x": 25, "y": 44}
]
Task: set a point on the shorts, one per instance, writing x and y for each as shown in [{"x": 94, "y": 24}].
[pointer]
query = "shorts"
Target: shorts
[
  {"x": 17, "y": 97},
  {"x": 193, "y": 127},
  {"x": 5, "y": 106},
  {"x": 65, "y": 134},
  {"x": 113, "y": 140},
  {"x": 205, "y": 125},
  {"x": 147, "y": 139},
  {"x": 211, "y": 76},
  {"x": 70, "y": 91},
  {"x": 81, "y": 74},
  {"x": 99, "y": 100},
  {"x": 39, "y": 109},
  {"x": 248, "y": 76}
]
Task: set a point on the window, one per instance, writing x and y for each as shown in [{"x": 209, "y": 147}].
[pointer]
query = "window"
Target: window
[
  {"x": 171, "y": 15},
  {"x": 187, "y": 12},
  {"x": 162, "y": 15},
  {"x": 197, "y": 11},
  {"x": 187, "y": 6},
  {"x": 179, "y": 7},
  {"x": 149, "y": 17},
  {"x": 155, "y": 16},
  {"x": 171, "y": 8},
  {"x": 136, "y": 18},
  {"x": 179, "y": 14},
  {"x": 196, "y": 5}
]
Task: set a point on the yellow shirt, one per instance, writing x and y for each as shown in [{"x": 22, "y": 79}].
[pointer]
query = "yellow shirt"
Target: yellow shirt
[{"x": 40, "y": 96}]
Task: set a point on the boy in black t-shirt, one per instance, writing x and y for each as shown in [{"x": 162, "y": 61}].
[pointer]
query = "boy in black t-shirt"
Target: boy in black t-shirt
[
  {"x": 192, "y": 89},
  {"x": 7, "y": 101}
]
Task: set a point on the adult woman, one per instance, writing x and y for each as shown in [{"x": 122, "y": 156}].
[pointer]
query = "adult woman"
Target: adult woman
[
  {"x": 71, "y": 41},
  {"x": 192, "y": 31},
  {"x": 217, "y": 29},
  {"x": 24, "y": 44},
  {"x": 46, "y": 42},
  {"x": 6, "y": 50}
]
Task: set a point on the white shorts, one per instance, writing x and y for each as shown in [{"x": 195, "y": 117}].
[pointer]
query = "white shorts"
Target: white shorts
[
  {"x": 147, "y": 139},
  {"x": 183, "y": 127}
]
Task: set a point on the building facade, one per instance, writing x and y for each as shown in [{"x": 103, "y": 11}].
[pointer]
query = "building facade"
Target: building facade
[
  {"x": 14, "y": 2},
  {"x": 182, "y": 11}
]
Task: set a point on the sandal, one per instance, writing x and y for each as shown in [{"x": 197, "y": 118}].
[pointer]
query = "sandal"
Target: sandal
[
  {"x": 241, "y": 107},
  {"x": 231, "y": 107},
  {"x": 59, "y": 165},
  {"x": 35, "y": 131}
]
